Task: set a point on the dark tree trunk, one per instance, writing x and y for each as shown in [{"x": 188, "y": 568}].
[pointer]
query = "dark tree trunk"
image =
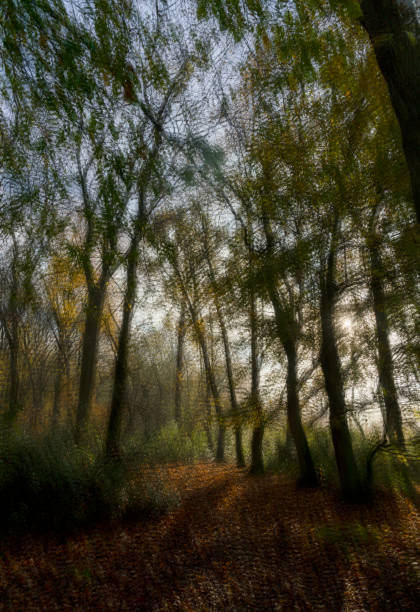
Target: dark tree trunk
[
  {"x": 13, "y": 404},
  {"x": 58, "y": 390},
  {"x": 12, "y": 335},
  {"x": 240, "y": 459},
  {"x": 308, "y": 475},
  {"x": 394, "y": 30},
  {"x": 287, "y": 329},
  {"x": 331, "y": 368},
  {"x": 211, "y": 379},
  {"x": 220, "y": 446},
  {"x": 385, "y": 363},
  {"x": 179, "y": 359},
  {"x": 288, "y": 441},
  {"x": 257, "y": 460},
  {"x": 113, "y": 439},
  {"x": 284, "y": 323},
  {"x": 96, "y": 296},
  {"x": 207, "y": 422}
]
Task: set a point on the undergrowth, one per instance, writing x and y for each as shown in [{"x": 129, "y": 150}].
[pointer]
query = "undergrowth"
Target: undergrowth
[
  {"x": 47, "y": 483},
  {"x": 171, "y": 444},
  {"x": 393, "y": 469}
]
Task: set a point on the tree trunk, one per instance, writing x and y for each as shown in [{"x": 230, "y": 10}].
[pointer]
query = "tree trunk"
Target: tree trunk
[
  {"x": 257, "y": 460},
  {"x": 58, "y": 388},
  {"x": 385, "y": 363},
  {"x": 207, "y": 421},
  {"x": 331, "y": 368},
  {"x": 306, "y": 466},
  {"x": 12, "y": 334},
  {"x": 113, "y": 439},
  {"x": 286, "y": 329},
  {"x": 308, "y": 475},
  {"x": 240, "y": 460},
  {"x": 220, "y": 446},
  {"x": 96, "y": 296},
  {"x": 13, "y": 404},
  {"x": 179, "y": 359},
  {"x": 394, "y": 30}
]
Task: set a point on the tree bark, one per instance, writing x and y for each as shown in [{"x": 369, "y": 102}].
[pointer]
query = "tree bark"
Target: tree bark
[
  {"x": 12, "y": 335},
  {"x": 331, "y": 367},
  {"x": 13, "y": 403},
  {"x": 179, "y": 359},
  {"x": 240, "y": 459},
  {"x": 57, "y": 399},
  {"x": 257, "y": 460},
  {"x": 385, "y": 362},
  {"x": 394, "y": 30},
  {"x": 211, "y": 379},
  {"x": 113, "y": 439},
  {"x": 58, "y": 388},
  {"x": 96, "y": 297},
  {"x": 286, "y": 329},
  {"x": 207, "y": 421},
  {"x": 308, "y": 475}
]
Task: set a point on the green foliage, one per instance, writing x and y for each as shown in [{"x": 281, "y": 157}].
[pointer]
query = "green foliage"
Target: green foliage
[
  {"x": 47, "y": 483},
  {"x": 231, "y": 14},
  {"x": 172, "y": 444},
  {"x": 393, "y": 469}
]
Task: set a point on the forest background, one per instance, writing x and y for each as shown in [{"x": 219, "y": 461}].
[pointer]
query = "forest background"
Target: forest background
[{"x": 209, "y": 230}]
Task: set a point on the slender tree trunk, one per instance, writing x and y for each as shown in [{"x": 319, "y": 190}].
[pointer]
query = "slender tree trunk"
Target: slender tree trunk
[
  {"x": 112, "y": 447},
  {"x": 220, "y": 446},
  {"x": 286, "y": 329},
  {"x": 385, "y": 362},
  {"x": 211, "y": 379},
  {"x": 240, "y": 459},
  {"x": 207, "y": 422},
  {"x": 394, "y": 30},
  {"x": 13, "y": 404},
  {"x": 331, "y": 368},
  {"x": 12, "y": 334},
  {"x": 306, "y": 466},
  {"x": 96, "y": 296},
  {"x": 58, "y": 388},
  {"x": 179, "y": 359},
  {"x": 257, "y": 460},
  {"x": 308, "y": 475}
]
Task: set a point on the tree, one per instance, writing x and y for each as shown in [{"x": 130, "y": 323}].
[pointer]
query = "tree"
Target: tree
[
  {"x": 208, "y": 254},
  {"x": 184, "y": 262},
  {"x": 394, "y": 31},
  {"x": 165, "y": 89},
  {"x": 181, "y": 329},
  {"x": 393, "y": 27}
]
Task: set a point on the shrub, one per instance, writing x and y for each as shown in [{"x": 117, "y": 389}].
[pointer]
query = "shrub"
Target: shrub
[
  {"x": 392, "y": 468},
  {"x": 48, "y": 483},
  {"x": 172, "y": 444}
]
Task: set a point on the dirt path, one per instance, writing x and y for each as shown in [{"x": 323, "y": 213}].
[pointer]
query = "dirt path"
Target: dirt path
[{"x": 233, "y": 543}]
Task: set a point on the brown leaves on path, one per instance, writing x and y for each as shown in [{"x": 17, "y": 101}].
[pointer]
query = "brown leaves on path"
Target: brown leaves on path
[{"x": 233, "y": 543}]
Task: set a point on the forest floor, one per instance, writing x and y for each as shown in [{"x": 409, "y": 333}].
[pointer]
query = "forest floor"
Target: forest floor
[{"x": 232, "y": 543}]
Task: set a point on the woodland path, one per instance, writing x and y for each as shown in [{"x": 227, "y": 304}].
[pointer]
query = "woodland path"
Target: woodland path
[{"x": 233, "y": 543}]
